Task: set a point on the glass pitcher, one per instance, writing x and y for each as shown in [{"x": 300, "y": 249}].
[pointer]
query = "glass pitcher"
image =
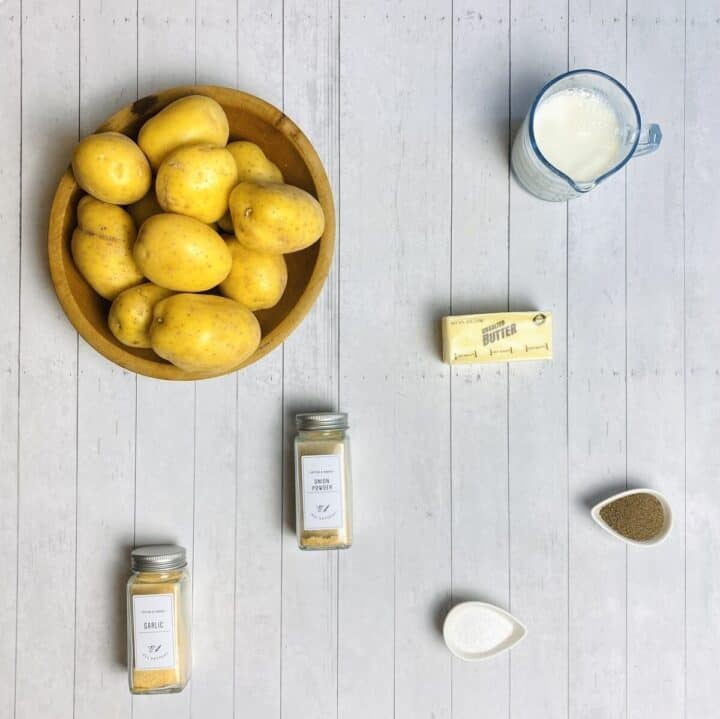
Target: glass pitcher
[{"x": 538, "y": 176}]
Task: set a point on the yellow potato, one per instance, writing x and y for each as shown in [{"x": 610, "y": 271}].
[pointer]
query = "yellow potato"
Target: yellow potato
[
  {"x": 203, "y": 333},
  {"x": 102, "y": 246},
  {"x": 181, "y": 253},
  {"x": 112, "y": 168},
  {"x": 252, "y": 164},
  {"x": 131, "y": 313},
  {"x": 187, "y": 121},
  {"x": 257, "y": 279},
  {"x": 144, "y": 208},
  {"x": 275, "y": 218},
  {"x": 196, "y": 181}
]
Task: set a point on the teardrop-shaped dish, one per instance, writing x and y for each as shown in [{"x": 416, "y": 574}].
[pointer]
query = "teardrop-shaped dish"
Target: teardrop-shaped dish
[
  {"x": 460, "y": 612},
  {"x": 659, "y": 537}
]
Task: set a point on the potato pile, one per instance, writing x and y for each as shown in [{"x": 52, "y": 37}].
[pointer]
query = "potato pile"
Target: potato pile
[{"x": 182, "y": 212}]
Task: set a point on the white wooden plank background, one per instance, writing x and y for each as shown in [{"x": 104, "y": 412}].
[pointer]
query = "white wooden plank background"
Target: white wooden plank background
[
  {"x": 596, "y": 400},
  {"x": 702, "y": 375},
  {"x": 470, "y": 483}
]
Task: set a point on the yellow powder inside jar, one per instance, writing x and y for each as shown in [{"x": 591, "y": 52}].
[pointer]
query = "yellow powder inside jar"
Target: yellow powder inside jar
[
  {"x": 322, "y": 540},
  {"x": 172, "y": 679}
]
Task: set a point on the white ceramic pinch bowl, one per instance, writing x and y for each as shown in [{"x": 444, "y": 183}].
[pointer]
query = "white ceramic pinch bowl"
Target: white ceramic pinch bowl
[
  {"x": 461, "y": 612},
  {"x": 659, "y": 537}
]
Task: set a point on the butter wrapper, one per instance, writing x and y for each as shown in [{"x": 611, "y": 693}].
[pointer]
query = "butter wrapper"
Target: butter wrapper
[{"x": 497, "y": 337}]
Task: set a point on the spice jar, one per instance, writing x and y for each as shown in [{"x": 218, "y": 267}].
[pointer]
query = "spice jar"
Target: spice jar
[
  {"x": 323, "y": 491},
  {"x": 158, "y": 626}
]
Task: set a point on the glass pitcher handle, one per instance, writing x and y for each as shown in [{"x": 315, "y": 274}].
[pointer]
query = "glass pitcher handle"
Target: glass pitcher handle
[{"x": 650, "y": 139}]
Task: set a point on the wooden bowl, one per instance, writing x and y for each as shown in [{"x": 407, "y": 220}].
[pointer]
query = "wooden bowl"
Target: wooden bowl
[{"x": 282, "y": 141}]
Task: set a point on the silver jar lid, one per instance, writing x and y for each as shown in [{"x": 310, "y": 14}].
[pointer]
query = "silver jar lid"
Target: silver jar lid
[
  {"x": 157, "y": 558},
  {"x": 309, "y": 421}
]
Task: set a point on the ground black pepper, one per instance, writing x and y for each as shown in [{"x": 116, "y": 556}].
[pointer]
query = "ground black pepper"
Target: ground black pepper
[{"x": 637, "y": 516}]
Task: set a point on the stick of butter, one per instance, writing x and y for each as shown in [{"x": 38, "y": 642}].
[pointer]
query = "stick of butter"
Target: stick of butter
[{"x": 497, "y": 337}]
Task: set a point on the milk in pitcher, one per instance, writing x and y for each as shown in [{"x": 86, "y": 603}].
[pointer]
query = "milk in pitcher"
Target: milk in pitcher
[
  {"x": 578, "y": 131},
  {"x": 581, "y": 128}
]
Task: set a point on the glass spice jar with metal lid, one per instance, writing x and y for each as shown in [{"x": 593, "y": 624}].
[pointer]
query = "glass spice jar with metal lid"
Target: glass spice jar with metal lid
[
  {"x": 323, "y": 489},
  {"x": 158, "y": 626}
]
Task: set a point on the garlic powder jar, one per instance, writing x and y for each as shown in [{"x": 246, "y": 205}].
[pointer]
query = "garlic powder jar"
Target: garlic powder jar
[{"x": 158, "y": 612}]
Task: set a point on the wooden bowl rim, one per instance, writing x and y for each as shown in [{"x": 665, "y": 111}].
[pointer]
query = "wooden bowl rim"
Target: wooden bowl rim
[{"x": 159, "y": 369}]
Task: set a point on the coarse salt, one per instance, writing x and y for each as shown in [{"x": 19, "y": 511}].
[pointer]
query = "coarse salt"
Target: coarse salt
[{"x": 477, "y": 630}]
